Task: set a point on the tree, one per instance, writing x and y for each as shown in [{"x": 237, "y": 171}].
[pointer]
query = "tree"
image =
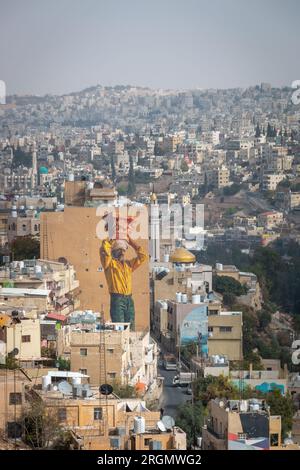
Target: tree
[
  {"x": 231, "y": 190},
  {"x": 64, "y": 364},
  {"x": 229, "y": 285},
  {"x": 189, "y": 350},
  {"x": 284, "y": 407},
  {"x": 208, "y": 388},
  {"x": 21, "y": 158},
  {"x": 42, "y": 429},
  {"x": 190, "y": 418},
  {"x": 264, "y": 318},
  {"x": 26, "y": 247}
]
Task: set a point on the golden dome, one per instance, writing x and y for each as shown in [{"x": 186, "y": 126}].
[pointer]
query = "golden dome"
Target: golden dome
[{"x": 181, "y": 255}]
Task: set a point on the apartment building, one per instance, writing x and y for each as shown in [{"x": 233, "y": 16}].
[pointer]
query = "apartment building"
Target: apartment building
[{"x": 241, "y": 425}]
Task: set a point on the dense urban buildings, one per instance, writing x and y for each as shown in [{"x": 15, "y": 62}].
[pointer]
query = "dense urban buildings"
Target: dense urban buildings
[{"x": 213, "y": 298}]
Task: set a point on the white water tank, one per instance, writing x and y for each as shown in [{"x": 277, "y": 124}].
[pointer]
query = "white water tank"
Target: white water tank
[
  {"x": 76, "y": 381},
  {"x": 21, "y": 264},
  {"x": 184, "y": 298},
  {"x": 196, "y": 299},
  {"x": 38, "y": 269},
  {"x": 166, "y": 258},
  {"x": 46, "y": 382},
  {"x": 199, "y": 442},
  {"x": 178, "y": 297},
  {"x": 139, "y": 425},
  {"x": 219, "y": 266},
  {"x": 244, "y": 405},
  {"x": 71, "y": 177}
]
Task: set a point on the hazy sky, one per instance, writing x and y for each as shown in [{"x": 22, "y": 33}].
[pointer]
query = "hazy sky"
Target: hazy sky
[{"x": 59, "y": 46}]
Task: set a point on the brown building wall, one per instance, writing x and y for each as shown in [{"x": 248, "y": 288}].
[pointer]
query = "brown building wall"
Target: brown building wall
[{"x": 72, "y": 234}]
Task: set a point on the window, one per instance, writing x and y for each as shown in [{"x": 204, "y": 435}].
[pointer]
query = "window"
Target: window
[
  {"x": 242, "y": 435},
  {"x": 274, "y": 440},
  {"x": 83, "y": 352},
  {"x": 62, "y": 414},
  {"x": 110, "y": 350},
  {"x": 83, "y": 371},
  {"x": 112, "y": 375},
  {"x": 24, "y": 228},
  {"x": 97, "y": 413},
  {"x": 15, "y": 398},
  {"x": 147, "y": 442},
  {"x": 210, "y": 329},
  {"x": 225, "y": 329},
  {"x": 26, "y": 338}
]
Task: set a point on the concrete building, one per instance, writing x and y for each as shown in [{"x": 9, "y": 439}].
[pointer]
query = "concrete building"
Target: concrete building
[
  {"x": 72, "y": 234},
  {"x": 270, "y": 181},
  {"x": 12, "y": 402},
  {"x": 225, "y": 335},
  {"x": 57, "y": 277},
  {"x": 22, "y": 340},
  {"x": 105, "y": 422},
  {"x": 215, "y": 332},
  {"x": 240, "y": 425},
  {"x": 270, "y": 219},
  {"x": 130, "y": 357}
]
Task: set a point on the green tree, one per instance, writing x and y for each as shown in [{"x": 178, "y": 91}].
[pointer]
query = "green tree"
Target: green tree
[
  {"x": 284, "y": 407},
  {"x": 190, "y": 418},
  {"x": 26, "y": 247},
  {"x": 228, "y": 285},
  {"x": 21, "y": 158},
  {"x": 63, "y": 364}
]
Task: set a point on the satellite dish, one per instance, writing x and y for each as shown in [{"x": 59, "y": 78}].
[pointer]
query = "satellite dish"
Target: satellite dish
[
  {"x": 160, "y": 425},
  {"x": 168, "y": 422},
  {"x": 105, "y": 389},
  {"x": 65, "y": 388}
]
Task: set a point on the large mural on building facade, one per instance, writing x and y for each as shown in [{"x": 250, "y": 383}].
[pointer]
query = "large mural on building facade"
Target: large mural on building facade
[{"x": 194, "y": 328}]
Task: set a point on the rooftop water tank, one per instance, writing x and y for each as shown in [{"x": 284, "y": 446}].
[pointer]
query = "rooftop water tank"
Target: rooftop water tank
[
  {"x": 178, "y": 297},
  {"x": 196, "y": 299},
  {"x": 184, "y": 298},
  {"x": 139, "y": 425},
  {"x": 219, "y": 266},
  {"x": 46, "y": 382},
  {"x": 166, "y": 258}
]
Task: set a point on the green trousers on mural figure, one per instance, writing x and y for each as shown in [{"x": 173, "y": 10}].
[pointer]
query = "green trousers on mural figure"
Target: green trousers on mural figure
[{"x": 122, "y": 309}]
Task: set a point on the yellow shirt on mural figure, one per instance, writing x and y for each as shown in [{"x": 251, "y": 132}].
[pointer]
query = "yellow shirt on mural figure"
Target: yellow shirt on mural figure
[{"x": 117, "y": 273}]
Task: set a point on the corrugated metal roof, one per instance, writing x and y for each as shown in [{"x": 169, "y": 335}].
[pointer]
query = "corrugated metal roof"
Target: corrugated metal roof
[{"x": 19, "y": 291}]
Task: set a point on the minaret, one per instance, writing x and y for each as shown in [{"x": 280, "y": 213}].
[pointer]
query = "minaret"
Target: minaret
[
  {"x": 34, "y": 167},
  {"x": 154, "y": 229}
]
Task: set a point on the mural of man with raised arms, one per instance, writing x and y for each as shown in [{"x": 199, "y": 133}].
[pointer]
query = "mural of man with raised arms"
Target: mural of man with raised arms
[{"x": 118, "y": 273}]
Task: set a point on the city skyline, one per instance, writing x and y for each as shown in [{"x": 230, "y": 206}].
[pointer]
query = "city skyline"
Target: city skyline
[{"x": 60, "y": 48}]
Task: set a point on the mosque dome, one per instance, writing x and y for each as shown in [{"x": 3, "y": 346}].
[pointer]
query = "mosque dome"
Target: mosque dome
[
  {"x": 181, "y": 255},
  {"x": 43, "y": 170}
]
